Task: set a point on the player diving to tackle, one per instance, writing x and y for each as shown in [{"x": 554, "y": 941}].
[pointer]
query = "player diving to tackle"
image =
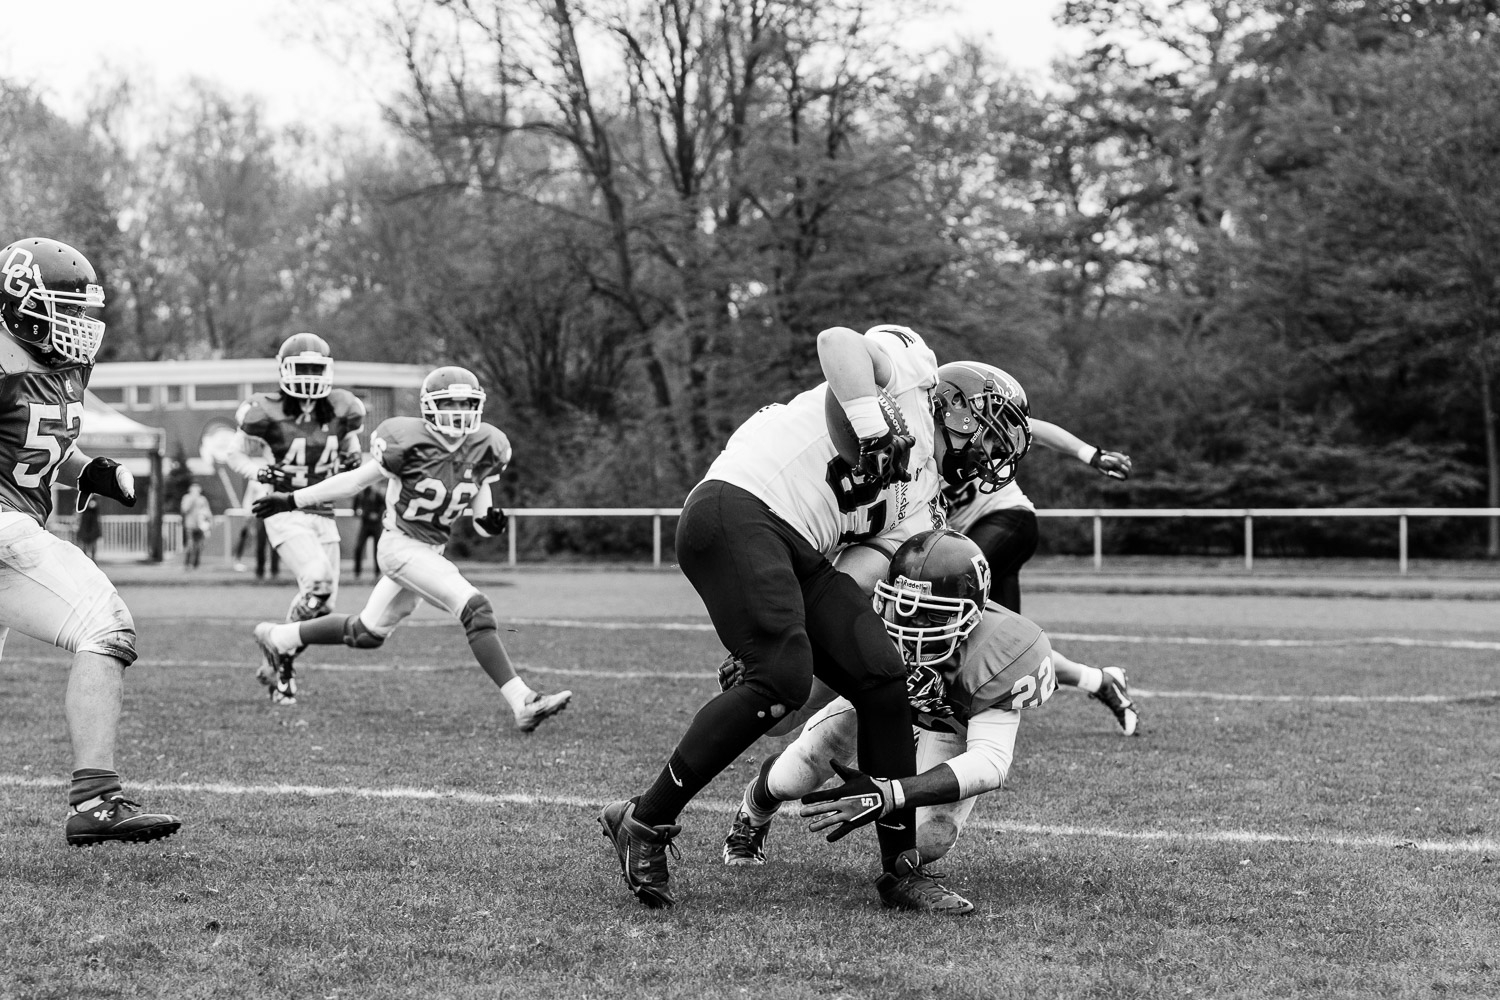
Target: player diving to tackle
[
  {"x": 49, "y": 589},
  {"x": 299, "y": 436},
  {"x": 973, "y": 669},
  {"x": 1002, "y": 522},
  {"x": 435, "y": 467},
  {"x": 755, "y": 538}
]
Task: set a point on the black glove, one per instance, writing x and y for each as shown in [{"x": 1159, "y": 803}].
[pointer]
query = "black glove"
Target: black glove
[
  {"x": 273, "y": 503},
  {"x": 1114, "y": 464},
  {"x": 883, "y": 460},
  {"x": 731, "y": 672},
  {"x": 277, "y": 479},
  {"x": 859, "y": 800},
  {"x": 349, "y": 460},
  {"x": 492, "y": 522},
  {"x": 107, "y": 478}
]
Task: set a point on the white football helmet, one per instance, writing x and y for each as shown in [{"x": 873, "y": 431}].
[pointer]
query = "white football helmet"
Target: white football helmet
[{"x": 306, "y": 366}]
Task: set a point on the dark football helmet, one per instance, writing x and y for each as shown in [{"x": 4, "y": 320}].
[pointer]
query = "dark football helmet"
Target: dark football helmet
[
  {"x": 982, "y": 416},
  {"x": 306, "y": 366},
  {"x": 933, "y": 595},
  {"x": 45, "y": 288},
  {"x": 452, "y": 401}
]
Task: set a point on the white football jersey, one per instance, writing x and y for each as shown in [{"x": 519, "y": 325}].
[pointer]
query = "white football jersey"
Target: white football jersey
[
  {"x": 784, "y": 455},
  {"x": 969, "y": 505}
]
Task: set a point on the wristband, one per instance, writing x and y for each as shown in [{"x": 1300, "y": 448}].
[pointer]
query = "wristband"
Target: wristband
[
  {"x": 865, "y": 417},
  {"x": 1086, "y": 453},
  {"x": 898, "y": 796},
  {"x": 296, "y": 504}
]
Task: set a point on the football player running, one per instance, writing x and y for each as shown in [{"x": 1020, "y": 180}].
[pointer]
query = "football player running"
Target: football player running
[
  {"x": 298, "y": 436},
  {"x": 755, "y": 538},
  {"x": 51, "y": 590},
  {"x": 973, "y": 668},
  {"x": 1002, "y": 522},
  {"x": 435, "y": 467}
]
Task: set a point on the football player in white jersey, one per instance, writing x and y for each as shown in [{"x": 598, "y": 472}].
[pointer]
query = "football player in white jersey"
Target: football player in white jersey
[
  {"x": 974, "y": 667},
  {"x": 300, "y": 435},
  {"x": 49, "y": 589},
  {"x": 755, "y": 538},
  {"x": 435, "y": 468},
  {"x": 1003, "y": 523}
]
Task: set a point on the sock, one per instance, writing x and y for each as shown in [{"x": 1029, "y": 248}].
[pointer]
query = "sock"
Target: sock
[
  {"x": 92, "y": 783},
  {"x": 1090, "y": 679},
  {"x": 493, "y": 659},
  {"x": 673, "y": 789},
  {"x": 515, "y": 691},
  {"x": 325, "y": 631},
  {"x": 759, "y": 804}
]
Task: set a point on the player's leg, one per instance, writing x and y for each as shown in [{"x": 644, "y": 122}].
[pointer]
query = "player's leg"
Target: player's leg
[
  {"x": 1105, "y": 684},
  {"x": 425, "y": 571},
  {"x": 1008, "y": 539},
  {"x": 739, "y": 557},
  {"x": 301, "y": 542},
  {"x": 938, "y": 826},
  {"x": 800, "y": 768},
  {"x": 52, "y": 592}
]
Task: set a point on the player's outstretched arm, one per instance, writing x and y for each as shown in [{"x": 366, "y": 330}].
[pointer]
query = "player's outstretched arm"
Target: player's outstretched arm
[
  {"x": 247, "y": 455},
  {"x": 340, "y": 487},
  {"x": 1114, "y": 464}
]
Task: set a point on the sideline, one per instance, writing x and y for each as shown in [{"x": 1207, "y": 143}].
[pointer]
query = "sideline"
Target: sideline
[{"x": 726, "y": 808}]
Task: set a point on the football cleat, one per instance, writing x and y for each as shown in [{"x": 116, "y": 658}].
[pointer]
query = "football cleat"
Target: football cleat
[
  {"x": 642, "y": 851},
  {"x": 746, "y": 843},
  {"x": 908, "y": 887},
  {"x": 1115, "y": 695},
  {"x": 276, "y": 671},
  {"x": 114, "y": 817},
  {"x": 539, "y": 708}
]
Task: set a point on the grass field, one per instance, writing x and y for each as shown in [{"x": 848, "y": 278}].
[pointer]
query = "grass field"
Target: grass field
[{"x": 1298, "y": 820}]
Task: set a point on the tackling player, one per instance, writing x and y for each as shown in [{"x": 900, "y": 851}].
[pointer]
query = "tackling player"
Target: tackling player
[
  {"x": 973, "y": 669},
  {"x": 755, "y": 538},
  {"x": 1002, "y": 523},
  {"x": 52, "y": 591},
  {"x": 435, "y": 467},
  {"x": 299, "y": 435}
]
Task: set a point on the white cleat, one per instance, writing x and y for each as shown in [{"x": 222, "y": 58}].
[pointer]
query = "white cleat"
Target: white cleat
[
  {"x": 541, "y": 707},
  {"x": 1115, "y": 694}
]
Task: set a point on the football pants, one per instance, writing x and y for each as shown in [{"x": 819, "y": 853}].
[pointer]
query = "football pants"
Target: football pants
[
  {"x": 414, "y": 571},
  {"x": 308, "y": 545}
]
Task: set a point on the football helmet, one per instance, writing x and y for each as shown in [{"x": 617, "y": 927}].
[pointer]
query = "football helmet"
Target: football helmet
[
  {"x": 452, "y": 401},
  {"x": 45, "y": 288},
  {"x": 306, "y": 366},
  {"x": 982, "y": 416},
  {"x": 933, "y": 595}
]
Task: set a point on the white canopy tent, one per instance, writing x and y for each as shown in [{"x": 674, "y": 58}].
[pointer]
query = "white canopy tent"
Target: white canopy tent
[{"x": 141, "y": 449}]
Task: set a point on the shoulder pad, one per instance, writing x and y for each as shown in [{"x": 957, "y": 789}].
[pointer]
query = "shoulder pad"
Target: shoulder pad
[
  {"x": 495, "y": 438},
  {"x": 255, "y": 413}
]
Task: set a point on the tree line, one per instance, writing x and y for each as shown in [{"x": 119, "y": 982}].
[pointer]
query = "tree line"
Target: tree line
[{"x": 1251, "y": 243}]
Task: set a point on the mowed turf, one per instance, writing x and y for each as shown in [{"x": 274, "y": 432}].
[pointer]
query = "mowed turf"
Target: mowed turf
[{"x": 1297, "y": 821}]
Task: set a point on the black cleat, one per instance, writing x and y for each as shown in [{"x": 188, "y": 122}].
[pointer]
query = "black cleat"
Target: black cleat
[
  {"x": 746, "y": 843},
  {"x": 1116, "y": 697},
  {"x": 907, "y": 887},
  {"x": 114, "y": 817},
  {"x": 642, "y": 851}
]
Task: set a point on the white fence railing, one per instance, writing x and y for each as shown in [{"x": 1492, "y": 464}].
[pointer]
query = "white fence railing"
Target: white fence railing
[{"x": 127, "y": 534}]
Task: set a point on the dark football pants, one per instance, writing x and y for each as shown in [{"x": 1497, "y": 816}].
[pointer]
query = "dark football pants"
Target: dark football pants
[
  {"x": 1008, "y": 539},
  {"x": 773, "y": 599}
]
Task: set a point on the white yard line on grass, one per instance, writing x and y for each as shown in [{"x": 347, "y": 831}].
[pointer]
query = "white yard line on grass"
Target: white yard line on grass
[{"x": 728, "y": 808}]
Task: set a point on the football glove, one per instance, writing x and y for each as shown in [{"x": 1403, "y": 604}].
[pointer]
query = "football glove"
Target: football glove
[
  {"x": 349, "y": 460},
  {"x": 926, "y": 691},
  {"x": 276, "y": 478},
  {"x": 859, "y": 800},
  {"x": 492, "y": 522},
  {"x": 731, "y": 672},
  {"x": 107, "y": 478},
  {"x": 273, "y": 503},
  {"x": 1114, "y": 464},
  {"x": 883, "y": 460}
]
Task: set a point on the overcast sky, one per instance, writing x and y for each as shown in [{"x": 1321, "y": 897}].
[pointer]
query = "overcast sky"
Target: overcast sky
[{"x": 247, "y": 46}]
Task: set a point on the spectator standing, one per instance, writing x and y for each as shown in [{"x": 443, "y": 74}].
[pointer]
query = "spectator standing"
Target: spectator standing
[
  {"x": 197, "y": 519},
  {"x": 369, "y": 506}
]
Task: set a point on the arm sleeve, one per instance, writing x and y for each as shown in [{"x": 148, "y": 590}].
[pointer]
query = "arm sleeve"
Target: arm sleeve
[
  {"x": 985, "y": 762},
  {"x": 341, "y": 486}
]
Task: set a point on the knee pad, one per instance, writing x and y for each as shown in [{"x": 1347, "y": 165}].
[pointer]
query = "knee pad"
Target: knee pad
[
  {"x": 780, "y": 670},
  {"x": 937, "y": 832},
  {"x": 357, "y": 634},
  {"x": 478, "y": 618},
  {"x": 111, "y": 634},
  {"x": 312, "y": 602}
]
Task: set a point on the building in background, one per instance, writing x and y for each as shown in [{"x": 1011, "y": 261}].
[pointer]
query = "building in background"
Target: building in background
[{"x": 194, "y": 402}]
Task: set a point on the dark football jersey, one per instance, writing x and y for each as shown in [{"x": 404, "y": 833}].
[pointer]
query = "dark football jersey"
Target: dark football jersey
[
  {"x": 41, "y": 414},
  {"x": 1005, "y": 663},
  {"x": 305, "y": 448},
  {"x": 430, "y": 484}
]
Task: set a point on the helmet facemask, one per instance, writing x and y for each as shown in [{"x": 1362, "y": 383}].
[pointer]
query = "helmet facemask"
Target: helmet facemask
[
  {"x": 454, "y": 421},
  {"x": 307, "y": 375},
  {"x": 928, "y": 627}
]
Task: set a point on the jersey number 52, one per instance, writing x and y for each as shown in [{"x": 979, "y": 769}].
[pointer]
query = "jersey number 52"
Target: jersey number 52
[{"x": 52, "y": 442}]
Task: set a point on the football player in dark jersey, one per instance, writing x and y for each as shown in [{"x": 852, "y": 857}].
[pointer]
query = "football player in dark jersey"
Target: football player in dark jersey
[
  {"x": 300, "y": 435},
  {"x": 973, "y": 668},
  {"x": 435, "y": 468},
  {"x": 52, "y": 591}
]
